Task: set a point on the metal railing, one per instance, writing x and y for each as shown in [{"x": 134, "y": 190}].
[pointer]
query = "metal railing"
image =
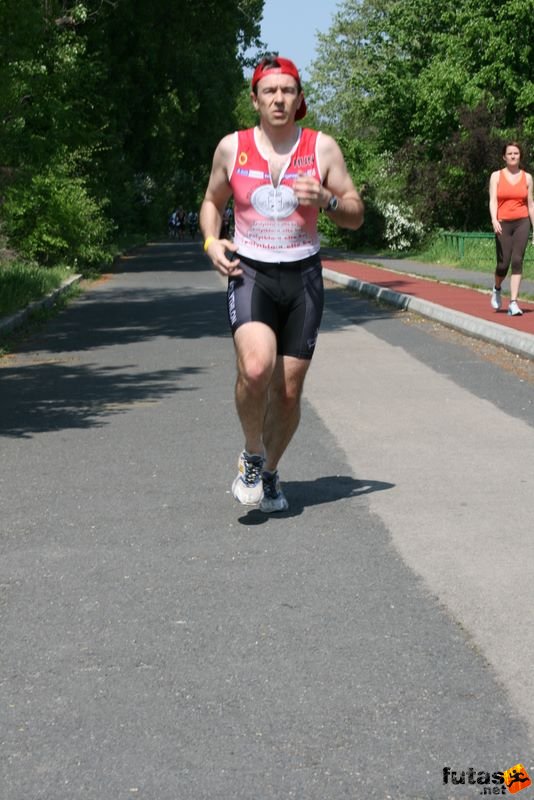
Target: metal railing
[{"x": 458, "y": 239}]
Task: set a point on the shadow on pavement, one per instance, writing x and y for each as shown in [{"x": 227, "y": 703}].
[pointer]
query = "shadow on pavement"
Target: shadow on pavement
[
  {"x": 328, "y": 489},
  {"x": 48, "y": 397},
  {"x": 45, "y": 388},
  {"x": 112, "y": 317},
  {"x": 351, "y": 309}
]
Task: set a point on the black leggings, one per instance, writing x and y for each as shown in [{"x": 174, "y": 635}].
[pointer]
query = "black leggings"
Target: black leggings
[{"x": 511, "y": 246}]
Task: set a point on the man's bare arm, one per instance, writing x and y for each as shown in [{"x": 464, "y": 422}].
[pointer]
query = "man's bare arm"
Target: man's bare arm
[
  {"x": 217, "y": 195},
  {"x": 337, "y": 181}
]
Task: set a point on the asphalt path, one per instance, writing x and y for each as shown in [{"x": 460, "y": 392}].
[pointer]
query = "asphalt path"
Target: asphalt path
[{"x": 161, "y": 642}]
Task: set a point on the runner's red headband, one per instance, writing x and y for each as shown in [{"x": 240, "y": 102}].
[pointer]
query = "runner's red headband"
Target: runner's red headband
[{"x": 286, "y": 67}]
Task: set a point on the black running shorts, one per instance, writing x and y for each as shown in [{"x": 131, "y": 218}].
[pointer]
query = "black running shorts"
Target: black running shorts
[{"x": 287, "y": 297}]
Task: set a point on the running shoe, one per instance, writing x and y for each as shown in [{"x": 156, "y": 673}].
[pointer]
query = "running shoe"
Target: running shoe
[
  {"x": 514, "y": 310},
  {"x": 496, "y": 301},
  {"x": 247, "y": 487},
  {"x": 273, "y": 496}
]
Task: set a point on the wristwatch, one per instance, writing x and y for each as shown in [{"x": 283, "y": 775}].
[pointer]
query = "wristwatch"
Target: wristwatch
[{"x": 332, "y": 204}]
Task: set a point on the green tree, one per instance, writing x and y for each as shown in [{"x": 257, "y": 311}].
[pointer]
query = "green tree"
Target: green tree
[
  {"x": 126, "y": 99},
  {"x": 405, "y": 75}
]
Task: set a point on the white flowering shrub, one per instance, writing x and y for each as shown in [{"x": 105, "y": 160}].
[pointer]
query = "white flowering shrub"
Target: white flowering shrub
[{"x": 401, "y": 230}]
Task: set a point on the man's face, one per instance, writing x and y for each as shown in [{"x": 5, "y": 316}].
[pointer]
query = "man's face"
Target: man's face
[{"x": 277, "y": 98}]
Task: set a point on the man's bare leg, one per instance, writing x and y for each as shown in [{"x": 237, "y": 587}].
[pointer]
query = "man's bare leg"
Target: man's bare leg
[
  {"x": 282, "y": 415},
  {"x": 268, "y": 392},
  {"x": 255, "y": 345}
]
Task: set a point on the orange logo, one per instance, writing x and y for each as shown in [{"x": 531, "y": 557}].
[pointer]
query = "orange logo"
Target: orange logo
[
  {"x": 243, "y": 158},
  {"x": 516, "y": 778}
]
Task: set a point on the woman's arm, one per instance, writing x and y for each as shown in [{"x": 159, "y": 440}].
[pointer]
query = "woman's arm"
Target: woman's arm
[{"x": 493, "y": 204}]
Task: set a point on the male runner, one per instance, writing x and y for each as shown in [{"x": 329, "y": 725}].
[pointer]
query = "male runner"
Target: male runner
[{"x": 280, "y": 176}]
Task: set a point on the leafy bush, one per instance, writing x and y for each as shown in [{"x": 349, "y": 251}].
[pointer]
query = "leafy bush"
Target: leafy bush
[
  {"x": 51, "y": 218},
  {"x": 389, "y": 222}
]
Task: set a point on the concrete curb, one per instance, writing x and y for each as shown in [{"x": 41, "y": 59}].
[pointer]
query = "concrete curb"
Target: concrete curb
[
  {"x": 8, "y": 324},
  {"x": 517, "y": 342}
]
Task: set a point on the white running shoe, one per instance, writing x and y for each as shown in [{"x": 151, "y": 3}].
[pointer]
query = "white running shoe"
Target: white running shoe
[
  {"x": 273, "y": 497},
  {"x": 496, "y": 301},
  {"x": 247, "y": 487},
  {"x": 514, "y": 310}
]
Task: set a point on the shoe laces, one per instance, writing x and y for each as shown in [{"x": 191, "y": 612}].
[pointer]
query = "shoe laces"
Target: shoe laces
[{"x": 253, "y": 468}]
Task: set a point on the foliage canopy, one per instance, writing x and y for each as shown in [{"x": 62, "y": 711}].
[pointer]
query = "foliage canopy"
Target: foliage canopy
[
  {"x": 116, "y": 103},
  {"x": 429, "y": 90},
  {"x": 110, "y": 111}
]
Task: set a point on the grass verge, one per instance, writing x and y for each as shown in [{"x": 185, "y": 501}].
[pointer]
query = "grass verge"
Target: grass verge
[
  {"x": 9, "y": 340},
  {"x": 479, "y": 255},
  {"x": 21, "y": 283}
]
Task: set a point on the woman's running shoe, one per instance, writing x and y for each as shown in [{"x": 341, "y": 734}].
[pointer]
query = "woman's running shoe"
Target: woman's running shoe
[{"x": 514, "y": 310}]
